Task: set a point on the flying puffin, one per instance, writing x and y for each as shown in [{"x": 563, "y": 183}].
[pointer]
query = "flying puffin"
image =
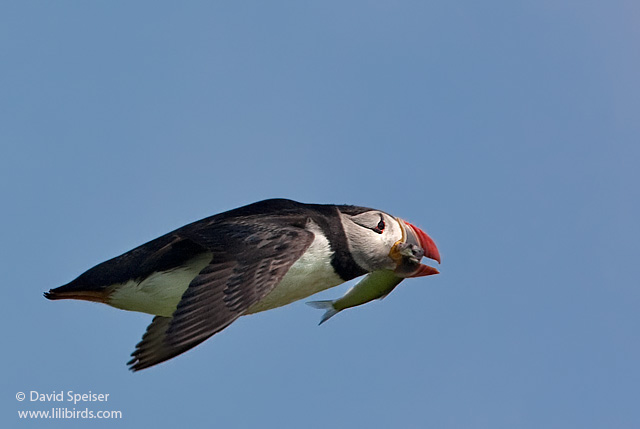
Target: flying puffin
[{"x": 201, "y": 277}]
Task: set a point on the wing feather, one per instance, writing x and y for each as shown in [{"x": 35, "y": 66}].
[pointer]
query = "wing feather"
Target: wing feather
[{"x": 248, "y": 260}]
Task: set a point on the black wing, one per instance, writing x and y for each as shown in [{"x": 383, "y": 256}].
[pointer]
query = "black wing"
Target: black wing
[{"x": 248, "y": 260}]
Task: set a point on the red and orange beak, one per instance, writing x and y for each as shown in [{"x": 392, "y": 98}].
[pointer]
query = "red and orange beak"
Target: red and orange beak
[{"x": 414, "y": 235}]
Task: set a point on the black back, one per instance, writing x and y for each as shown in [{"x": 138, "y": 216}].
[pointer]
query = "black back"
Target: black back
[{"x": 174, "y": 249}]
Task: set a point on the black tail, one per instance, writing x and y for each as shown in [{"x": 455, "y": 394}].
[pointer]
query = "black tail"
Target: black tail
[{"x": 73, "y": 291}]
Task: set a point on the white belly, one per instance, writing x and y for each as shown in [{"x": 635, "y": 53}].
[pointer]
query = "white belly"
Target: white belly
[
  {"x": 310, "y": 274},
  {"x": 161, "y": 292}
]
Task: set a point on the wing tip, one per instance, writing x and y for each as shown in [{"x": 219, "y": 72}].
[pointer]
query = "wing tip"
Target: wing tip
[
  {"x": 142, "y": 359},
  {"x": 136, "y": 364}
]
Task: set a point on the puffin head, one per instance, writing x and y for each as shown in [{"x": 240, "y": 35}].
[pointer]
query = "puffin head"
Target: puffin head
[{"x": 379, "y": 241}]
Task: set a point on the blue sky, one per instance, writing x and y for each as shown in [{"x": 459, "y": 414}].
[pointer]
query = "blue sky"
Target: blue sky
[{"x": 508, "y": 131}]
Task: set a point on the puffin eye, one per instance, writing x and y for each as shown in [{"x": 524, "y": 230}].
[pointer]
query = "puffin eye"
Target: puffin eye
[{"x": 380, "y": 227}]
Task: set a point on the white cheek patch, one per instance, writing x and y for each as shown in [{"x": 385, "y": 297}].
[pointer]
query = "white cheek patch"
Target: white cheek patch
[
  {"x": 370, "y": 249},
  {"x": 394, "y": 232}
]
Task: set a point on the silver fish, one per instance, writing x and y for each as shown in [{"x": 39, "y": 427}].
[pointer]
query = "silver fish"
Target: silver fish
[{"x": 375, "y": 285}]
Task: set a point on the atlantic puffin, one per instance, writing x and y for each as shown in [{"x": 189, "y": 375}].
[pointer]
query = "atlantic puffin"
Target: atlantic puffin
[{"x": 201, "y": 277}]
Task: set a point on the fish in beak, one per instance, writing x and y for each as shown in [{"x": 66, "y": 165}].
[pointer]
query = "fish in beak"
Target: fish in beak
[{"x": 409, "y": 250}]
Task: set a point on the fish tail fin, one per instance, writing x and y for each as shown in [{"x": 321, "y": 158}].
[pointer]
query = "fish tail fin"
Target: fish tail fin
[{"x": 324, "y": 305}]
